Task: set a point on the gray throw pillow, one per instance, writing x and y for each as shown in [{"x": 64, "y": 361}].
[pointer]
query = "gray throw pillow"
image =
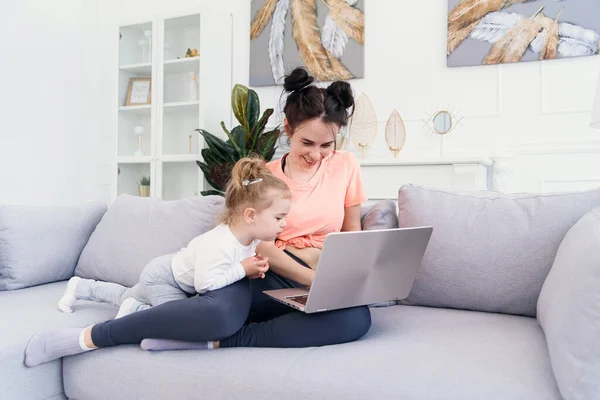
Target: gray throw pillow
[
  {"x": 41, "y": 244},
  {"x": 488, "y": 251},
  {"x": 135, "y": 230},
  {"x": 381, "y": 215},
  {"x": 569, "y": 310}
]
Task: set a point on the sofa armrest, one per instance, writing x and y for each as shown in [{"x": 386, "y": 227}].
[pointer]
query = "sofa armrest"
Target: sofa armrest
[{"x": 569, "y": 310}]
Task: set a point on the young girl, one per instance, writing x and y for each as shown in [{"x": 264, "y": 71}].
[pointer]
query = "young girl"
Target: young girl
[{"x": 255, "y": 208}]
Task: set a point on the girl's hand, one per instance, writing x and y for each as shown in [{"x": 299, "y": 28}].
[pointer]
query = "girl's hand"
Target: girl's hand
[
  {"x": 257, "y": 276},
  {"x": 260, "y": 257},
  {"x": 256, "y": 266}
]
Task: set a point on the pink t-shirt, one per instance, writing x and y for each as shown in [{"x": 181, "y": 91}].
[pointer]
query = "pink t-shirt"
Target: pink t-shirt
[{"x": 318, "y": 205}]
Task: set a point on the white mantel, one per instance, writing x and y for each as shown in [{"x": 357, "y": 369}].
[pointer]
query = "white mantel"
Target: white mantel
[{"x": 462, "y": 173}]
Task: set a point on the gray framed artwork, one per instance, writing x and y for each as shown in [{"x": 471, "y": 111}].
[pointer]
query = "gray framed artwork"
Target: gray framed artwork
[
  {"x": 324, "y": 36},
  {"x": 484, "y": 32}
]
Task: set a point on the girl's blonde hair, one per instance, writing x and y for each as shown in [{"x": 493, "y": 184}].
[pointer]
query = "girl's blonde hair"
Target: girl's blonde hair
[{"x": 251, "y": 185}]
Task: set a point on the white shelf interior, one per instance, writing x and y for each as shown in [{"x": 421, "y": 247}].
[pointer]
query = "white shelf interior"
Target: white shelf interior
[
  {"x": 177, "y": 87},
  {"x": 138, "y": 110},
  {"x": 134, "y": 159},
  {"x": 134, "y": 46},
  {"x": 142, "y": 69},
  {"x": 181, "y": 33},
  {"x": 175, "y": 158},
  {"x": 177, "y": 129},
  {"x": 182, "y": 107},
  {"x": 128, "y": 140},
  {"x": 129, "y": 177},
  {"x": 180, "y": 180},
  {"x": 190, "y": 64}
]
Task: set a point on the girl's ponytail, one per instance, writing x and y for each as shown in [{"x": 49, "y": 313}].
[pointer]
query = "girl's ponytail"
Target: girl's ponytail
[{"x": 251, "y": 185}]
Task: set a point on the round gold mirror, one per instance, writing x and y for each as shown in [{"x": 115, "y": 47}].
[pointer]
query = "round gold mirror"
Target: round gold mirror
[{"x": 442, "y": 122}]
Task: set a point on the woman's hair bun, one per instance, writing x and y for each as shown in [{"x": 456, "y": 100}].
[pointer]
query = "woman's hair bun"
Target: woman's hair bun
[
  {"x": 342, "y": 93},
  {"x": 297, "y": 79}
]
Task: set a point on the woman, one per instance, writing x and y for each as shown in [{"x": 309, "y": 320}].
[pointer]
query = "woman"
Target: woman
[{"x": 327, "y": 193}]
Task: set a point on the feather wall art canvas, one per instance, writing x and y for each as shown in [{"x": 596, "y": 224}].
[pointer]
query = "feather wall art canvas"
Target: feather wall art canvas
[
  {"x": 325, "y": 36},
  {"x": 487, "y": 32}
]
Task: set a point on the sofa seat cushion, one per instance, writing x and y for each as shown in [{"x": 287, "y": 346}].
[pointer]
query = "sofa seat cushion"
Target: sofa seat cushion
[
  {"x": 25, "y": 312},
  {"x": 409, "y": 353}
]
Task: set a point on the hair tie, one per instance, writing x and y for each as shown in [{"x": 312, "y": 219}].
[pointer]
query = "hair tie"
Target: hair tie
[
  {"x": 250, "y": 182},
  {"x": 300, "y": 89}
]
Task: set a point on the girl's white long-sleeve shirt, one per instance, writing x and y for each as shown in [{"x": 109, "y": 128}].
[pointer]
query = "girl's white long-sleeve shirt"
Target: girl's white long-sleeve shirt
[{"x": 211, "y": 261}]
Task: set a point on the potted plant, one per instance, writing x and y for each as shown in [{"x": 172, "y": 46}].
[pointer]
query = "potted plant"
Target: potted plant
[
  {"x": 145, "y": 186},
  {"x": 243, "y": 140}
]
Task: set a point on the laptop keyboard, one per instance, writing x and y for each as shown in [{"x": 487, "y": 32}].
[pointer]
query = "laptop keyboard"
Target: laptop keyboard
[{"x": 299, "y": 299}]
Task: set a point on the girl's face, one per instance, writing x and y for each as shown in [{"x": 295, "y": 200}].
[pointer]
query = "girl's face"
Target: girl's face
[
  {"x": 269, "y": 223},
  {"x": 311, "y": 142}
]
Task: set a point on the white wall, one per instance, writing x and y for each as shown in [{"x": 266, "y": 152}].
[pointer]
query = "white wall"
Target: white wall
[
  {"x": 57, "y": 95},
  {"x": 529, "y": 109},
  {"x": 41, "y": 147}
]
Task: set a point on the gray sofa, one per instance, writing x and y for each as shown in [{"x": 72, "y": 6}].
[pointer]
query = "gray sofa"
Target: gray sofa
[{"x": 506, "y": 305}]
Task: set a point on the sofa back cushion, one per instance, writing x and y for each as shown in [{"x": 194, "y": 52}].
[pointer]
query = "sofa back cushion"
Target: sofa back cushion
[
  {"x": 41, "y": 244},
  {"x": 488, "y": 251},
  {"x": 135, "y": 230},
  {"x": 569, "y": 310}
]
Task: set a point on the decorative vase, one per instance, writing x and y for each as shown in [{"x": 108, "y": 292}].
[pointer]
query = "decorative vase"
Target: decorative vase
[{"x": 144, "y": 190}]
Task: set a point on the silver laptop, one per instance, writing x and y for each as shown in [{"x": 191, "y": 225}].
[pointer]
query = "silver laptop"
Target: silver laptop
[{"x": 361, "y": 268}]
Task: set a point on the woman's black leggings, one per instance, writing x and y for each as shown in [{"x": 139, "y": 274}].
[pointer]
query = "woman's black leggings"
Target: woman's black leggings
[{"x": 238, "y": 315}]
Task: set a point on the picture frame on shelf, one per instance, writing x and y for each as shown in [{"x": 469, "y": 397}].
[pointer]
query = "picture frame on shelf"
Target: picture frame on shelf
[{"x": 139, "y": 92}]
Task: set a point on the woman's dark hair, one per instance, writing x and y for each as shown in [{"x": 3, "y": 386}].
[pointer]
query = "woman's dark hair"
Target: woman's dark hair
[{"x": 306, "y": 101}]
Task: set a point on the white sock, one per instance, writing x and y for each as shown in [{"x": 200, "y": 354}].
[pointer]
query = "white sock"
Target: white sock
[
  {"x": 129, "y": 306},
  {"x": 82, "y": 341},
  {"x": 51, "y": 345},
  {"x": 65, "y": 304}
]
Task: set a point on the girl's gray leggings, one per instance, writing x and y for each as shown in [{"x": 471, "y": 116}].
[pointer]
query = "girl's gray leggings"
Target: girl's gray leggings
[{"x": 156, "y": 286}]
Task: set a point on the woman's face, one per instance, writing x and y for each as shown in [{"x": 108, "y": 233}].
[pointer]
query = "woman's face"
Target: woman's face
[{"x": 311, "y": 142}]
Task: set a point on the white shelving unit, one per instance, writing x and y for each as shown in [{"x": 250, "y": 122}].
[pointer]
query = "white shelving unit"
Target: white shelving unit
[{"x": 156, "y": 49}]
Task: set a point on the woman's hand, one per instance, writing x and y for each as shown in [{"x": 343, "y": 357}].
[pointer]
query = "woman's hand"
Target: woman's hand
[{"x": 255, "y": 266}]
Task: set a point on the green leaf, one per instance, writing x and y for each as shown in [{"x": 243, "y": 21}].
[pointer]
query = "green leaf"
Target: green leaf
[
  {"x": 206, "y": 171},
  {"x": 215, "y": 143},
  {"x": 270, "y": 154},
  {"x": 225, "y": 128},
  {"x": 239, "y": 102},
  {"x": 259, "y": 128},
  {"x": 212, "y": 157},
  {"x": 212, "y": 141},
  {"x": 220, "y": 174},
  {"x": 212, "y": 193},
  {"x": 266, "y": 142},
  {"x": 232, "y": 140},
  {"x": 252, "y": 111},
  {"x": 239, "y": 137}
]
